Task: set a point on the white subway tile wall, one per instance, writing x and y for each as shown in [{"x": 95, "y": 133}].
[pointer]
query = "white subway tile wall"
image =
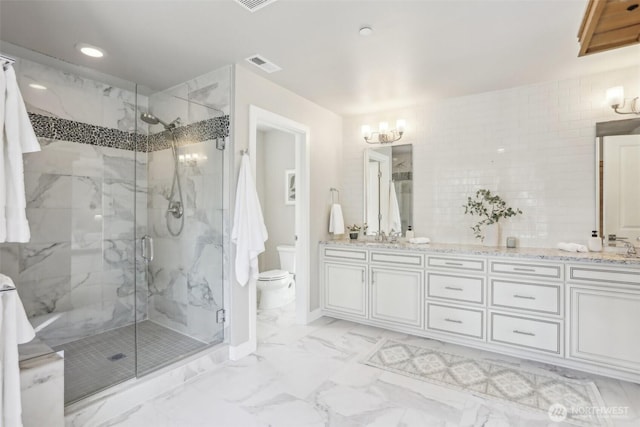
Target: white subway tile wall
[{"x": 545, "y": 167}]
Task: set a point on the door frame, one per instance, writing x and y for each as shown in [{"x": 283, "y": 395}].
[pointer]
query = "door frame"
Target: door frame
[{"x": 259, "y": 117}]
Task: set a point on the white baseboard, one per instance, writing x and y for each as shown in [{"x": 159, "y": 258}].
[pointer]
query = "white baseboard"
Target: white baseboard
[
  {"x": 237, "y": 352},
  {"x": 314, "y": 315}
]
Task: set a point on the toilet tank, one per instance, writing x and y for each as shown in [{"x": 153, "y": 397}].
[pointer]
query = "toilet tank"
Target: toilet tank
[{"x": 287, "y": 255}]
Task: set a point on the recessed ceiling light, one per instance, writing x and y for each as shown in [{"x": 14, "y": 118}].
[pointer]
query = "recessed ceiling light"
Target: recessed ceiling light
[
  {"x": 89, "y": 50},
  {"x": 37, "y": 86},
  {"x": 501, "y": 150},
  {"x": 366, "y": 31}
]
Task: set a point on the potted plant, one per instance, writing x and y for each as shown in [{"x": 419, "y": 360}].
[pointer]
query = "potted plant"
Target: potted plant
[
  {"x": 491, "y": 209},
  {"x": 353, "y": 231}
]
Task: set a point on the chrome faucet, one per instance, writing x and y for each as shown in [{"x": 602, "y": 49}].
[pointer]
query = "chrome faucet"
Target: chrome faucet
[
  {"x": 383, "y": 236},
  {"x": 394, "y": 236}
]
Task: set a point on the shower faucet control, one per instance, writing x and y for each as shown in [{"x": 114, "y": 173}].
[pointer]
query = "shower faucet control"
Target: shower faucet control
[{"x": 175, "y": 209}]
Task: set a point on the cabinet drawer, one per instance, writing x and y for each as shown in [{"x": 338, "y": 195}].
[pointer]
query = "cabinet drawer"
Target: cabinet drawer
[
  {"x": 461, "y": 264},
  {"x": 527, "y": 269},
  {"x": 459, "y": 321},
  {"x": 458, "y": 288},
  {"x": 604, "y": 274},
  {"x": 537, "y": 297},
  {"x": 543, "y": 335},
  {"x": 345, "y": 254},
  {"x": 397, "y": 259}
]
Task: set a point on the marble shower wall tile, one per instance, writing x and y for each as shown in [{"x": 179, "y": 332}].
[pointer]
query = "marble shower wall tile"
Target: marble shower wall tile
[
  {"x": 187, "y": 276},
  {"x": 80, "y": 99},
  {"x": 81, "y": 196}
]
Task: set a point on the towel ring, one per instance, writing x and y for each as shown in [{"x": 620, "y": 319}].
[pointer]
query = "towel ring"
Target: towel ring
[{"x": 332, "y": 190}]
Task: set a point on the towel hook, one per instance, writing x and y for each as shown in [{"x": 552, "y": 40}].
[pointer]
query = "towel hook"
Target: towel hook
[
  {"x": 6, "y": 61},
  {"x": 332, "y": 190},
  {"x": 245, "y": 151}
]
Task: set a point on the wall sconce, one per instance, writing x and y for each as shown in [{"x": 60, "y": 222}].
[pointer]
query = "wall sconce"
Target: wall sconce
[
  {"x": 384, "y": 135},
  {"x": 615, "y": 98}
]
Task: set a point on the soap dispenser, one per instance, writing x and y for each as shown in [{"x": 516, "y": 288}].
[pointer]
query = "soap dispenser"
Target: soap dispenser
[
  {"x": 595, "y": 242},
  {"x": 409, "y": 233}
]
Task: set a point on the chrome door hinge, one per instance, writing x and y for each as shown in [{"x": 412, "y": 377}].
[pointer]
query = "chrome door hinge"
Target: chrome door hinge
[
  {"x": 220, "y": 144},
  {"x": 221, "y": 316}
]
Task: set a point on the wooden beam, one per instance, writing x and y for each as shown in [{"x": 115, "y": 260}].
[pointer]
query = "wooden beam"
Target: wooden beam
[{"x": 589, "y": 23}]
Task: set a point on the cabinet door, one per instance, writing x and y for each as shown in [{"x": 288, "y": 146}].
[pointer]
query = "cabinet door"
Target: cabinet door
[
  {"x": 345, "y": 289},
  {"x": 604, "y": 326},
  {"x": 396, "y": 296}
]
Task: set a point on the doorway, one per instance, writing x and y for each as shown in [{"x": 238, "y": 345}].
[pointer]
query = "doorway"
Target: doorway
[{"x": 261, "y": 120}]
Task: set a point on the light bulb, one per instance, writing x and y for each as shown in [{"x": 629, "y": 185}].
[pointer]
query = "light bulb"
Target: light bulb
[
  {"x": 401, "y": 124},
  {"x": 366, "y": 131},
  {"x": 615, "y": 96}
]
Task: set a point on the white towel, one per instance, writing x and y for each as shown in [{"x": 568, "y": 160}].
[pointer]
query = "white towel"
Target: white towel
[
  {"x": 14, "y": 329},
  {"x": 572, "y": 247},
  {"x": 249, "y": 232},
  {"x": 18, "y": 137},
  {"x": 395, "y": 222},
  {"x": 336, "y": 220},
  {"x": 419, "y": 240}
]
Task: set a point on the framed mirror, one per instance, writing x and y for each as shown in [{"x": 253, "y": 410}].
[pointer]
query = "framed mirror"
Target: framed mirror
[
  {"x": 618, "y": 180},
  {"x": 388, "y": 188}
]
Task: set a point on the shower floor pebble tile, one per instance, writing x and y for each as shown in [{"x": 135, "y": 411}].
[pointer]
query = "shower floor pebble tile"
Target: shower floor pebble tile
[{"x": 312, "y": 376}]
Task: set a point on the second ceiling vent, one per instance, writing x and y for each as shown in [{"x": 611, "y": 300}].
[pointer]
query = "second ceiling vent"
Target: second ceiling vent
[
  {"x": 253, "y": 5},
  {"x": 263, "y": 63}
]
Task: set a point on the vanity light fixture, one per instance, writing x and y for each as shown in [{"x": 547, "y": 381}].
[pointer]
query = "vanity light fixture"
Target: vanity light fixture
[
  {"x": 384, "y": 135},
  {"x": 617, "y": 101}
]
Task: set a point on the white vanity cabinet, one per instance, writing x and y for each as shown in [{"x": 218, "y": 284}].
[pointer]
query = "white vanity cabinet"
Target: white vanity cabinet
[
  {"x": 604, "y": 307},
  {"x": 345, "y": 282},
  {"x": 525, "y": 305},
  {"x": 579, "y": 314}
]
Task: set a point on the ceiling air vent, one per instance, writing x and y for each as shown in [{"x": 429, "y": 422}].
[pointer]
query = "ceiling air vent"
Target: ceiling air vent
[
  {"x": 253, "y": 5},
  {"x": 263, "y": 63}
]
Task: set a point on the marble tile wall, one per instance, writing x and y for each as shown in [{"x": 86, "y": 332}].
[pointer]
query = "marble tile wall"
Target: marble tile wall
[
  {"x": 186, "y": 276},
  {"x": 80, "y": 205}
]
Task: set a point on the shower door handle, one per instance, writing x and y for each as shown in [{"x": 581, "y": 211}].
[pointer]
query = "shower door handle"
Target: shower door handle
[{"x": 147, "y": 248}]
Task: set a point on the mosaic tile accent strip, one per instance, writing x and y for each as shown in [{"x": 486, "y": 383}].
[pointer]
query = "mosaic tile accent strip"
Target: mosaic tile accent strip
[
  {"x": 94, "y": 363},
  {"x": 68, "y": 130},
  {"x": 491, "y": 380}
]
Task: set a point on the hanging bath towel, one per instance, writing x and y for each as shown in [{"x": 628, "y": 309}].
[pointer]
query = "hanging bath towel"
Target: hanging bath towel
[
  {"x": 17, "y": 137},
  {"x": 395, "y": 222},
  {"x": 14, "y": 329},
  {"x": 249, "y": 232},
  {"x": 336, "y": 220}
]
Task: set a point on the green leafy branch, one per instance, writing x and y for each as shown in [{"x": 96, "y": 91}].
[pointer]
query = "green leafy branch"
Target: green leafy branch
[{"x": 490, "y": 208}]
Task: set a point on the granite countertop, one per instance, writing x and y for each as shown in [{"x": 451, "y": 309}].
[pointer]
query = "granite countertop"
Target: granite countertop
[{"x": 460, "y": 249}]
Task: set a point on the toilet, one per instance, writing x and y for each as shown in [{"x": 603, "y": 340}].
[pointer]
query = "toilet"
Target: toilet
[{"x": 276, "y": 288}]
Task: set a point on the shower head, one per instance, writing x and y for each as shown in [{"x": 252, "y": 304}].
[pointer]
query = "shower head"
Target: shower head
[{"x": 153, "y": 120}]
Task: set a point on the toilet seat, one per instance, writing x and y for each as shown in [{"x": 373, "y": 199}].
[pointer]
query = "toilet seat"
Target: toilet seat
[{"x": 273, "y": 275}]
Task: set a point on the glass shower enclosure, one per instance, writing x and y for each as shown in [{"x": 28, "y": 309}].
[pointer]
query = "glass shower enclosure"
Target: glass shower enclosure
[{"x": 124, "y": 271}]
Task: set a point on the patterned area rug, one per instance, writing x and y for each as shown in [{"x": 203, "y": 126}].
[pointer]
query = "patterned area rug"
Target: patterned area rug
[{"x": 562, "y": 399}]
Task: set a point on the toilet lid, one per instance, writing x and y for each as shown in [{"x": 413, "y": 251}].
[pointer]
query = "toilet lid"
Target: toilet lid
[{"x": 273, "y": 275}]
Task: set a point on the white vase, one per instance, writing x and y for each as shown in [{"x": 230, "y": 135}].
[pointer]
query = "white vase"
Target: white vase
[{"x": 492, "y": 235}]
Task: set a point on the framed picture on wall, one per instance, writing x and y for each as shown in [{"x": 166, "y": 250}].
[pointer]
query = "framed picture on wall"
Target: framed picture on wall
[{"x": 290, "y": 187}]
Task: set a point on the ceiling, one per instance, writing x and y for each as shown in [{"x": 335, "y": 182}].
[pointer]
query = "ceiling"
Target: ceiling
[{"x": 420, "y": 51}]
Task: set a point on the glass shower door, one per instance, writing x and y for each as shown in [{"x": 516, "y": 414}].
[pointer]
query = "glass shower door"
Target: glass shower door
[{"x": 181, "y": 240}]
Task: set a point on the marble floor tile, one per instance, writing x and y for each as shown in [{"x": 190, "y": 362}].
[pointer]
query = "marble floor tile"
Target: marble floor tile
[{"x": 311, "y": 375}]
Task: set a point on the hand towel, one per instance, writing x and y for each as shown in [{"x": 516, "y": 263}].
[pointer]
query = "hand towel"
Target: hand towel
[
  {"x": 395, "y": 222},
  {"x": 18, "y": 137},
  {"x": 14, "y": 329},
  {"x": 419, "y": 240},
  {"x": 249, "y": 232},
  {"x": 572, "y": 247},
  {"x": 336, "y": 220}
]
